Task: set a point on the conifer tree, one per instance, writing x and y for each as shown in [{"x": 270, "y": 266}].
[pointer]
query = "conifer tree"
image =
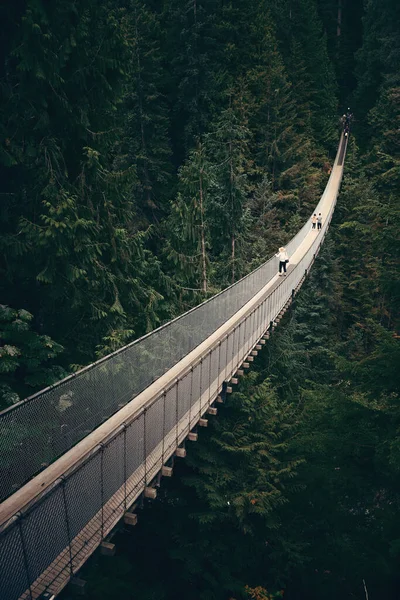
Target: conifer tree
[
  {"x": 280, "y": 146},
  {"x": 252, "y": 457},
  {"x": 69, "y": 213},
  {"x": 230, "y": 148},
  {"x": 377, "y": 59},
  {"x": 189, "y": 245},
  {"x": 299, "y": 23},
  {"x": 192, "y": 89},
  {"x": 145, "y": 144},
  {"x": 26, "y": 358}
]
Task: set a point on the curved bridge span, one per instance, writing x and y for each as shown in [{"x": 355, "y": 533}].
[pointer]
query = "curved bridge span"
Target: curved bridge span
[{"x": 102, "y": 437}]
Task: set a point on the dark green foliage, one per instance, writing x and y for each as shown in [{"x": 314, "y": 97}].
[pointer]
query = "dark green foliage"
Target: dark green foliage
[
  {"x": 300, "y": 32},
  {"x": 252, "y": 470},
  {"x": 26, "y": 358},
  {"x": 103, "y": 103},
  {"x": 229, "y": 141},
  {"x": 378, "y": 62},
  {"x": 190, "y": 221},
  {"x": 193, "y": 86},
  {"x": 221, "y": 520},
  {"x": 70, "y": 230},
  {"x": 145, "y": 144},
  {"x": 343, "y": 27},
  {"x": 150, "y": 154}
]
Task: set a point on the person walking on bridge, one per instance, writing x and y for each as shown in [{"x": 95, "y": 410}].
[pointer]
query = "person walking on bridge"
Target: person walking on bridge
[
  {"x": 314, "y": 221},
  {"x": 319, "y": 221},
  {"x": 283, "y": 260}
]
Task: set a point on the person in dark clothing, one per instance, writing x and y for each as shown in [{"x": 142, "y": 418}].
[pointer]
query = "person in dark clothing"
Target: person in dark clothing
[{"x": 283, "y": 260}]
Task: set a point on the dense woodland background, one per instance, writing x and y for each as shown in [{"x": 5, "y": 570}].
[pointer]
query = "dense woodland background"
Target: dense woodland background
[{"x": 152, "y": 152}]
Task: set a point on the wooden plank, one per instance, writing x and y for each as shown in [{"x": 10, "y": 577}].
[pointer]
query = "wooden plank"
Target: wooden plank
[
  {"x": 130, "y": 519},
  {"x": 150, "y": 492},
  {"x": 107, "y": 549}
]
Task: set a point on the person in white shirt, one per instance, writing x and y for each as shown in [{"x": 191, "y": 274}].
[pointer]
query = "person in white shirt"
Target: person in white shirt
[
  {"x": 283, "y": 259},
  {"x": 319, "y": 220}
]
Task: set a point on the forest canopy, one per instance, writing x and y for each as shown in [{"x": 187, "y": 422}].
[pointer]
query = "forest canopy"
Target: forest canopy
[{"x": 152, "y": 153}]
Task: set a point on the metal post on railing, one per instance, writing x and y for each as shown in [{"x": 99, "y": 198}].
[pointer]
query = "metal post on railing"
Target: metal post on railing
[
  {"x": 262, "y": 313},
  {"x": 201, "y": 386},
  {"x": 63, "y": 482},
  {"x": 233, "y": 334},
  {"x": 25, "y": 557},
  {"x": 191, "y": 398},
  {"x": 226, "y": 356},
  {"x": 245, "y": 338},
  {"x": 209, "y": 377},
  {"x": 219, "y": 363},
  {"x": 145, "y": 445},
  {"x": 164, "y": 396},
  {"x": 260, "y": 319},
  {"x": 223, "y": 390},
  {"x": 125, "y": 467},
  {"x": 102, "y": 488},
  {"x": 177, "y": 414}
]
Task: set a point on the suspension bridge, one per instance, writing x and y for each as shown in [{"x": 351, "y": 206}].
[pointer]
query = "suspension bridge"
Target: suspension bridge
[{"x": 75, "y": 457}]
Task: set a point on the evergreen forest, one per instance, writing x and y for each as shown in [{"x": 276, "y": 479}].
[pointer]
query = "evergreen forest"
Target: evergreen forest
[{"x": 151, "y": 154}]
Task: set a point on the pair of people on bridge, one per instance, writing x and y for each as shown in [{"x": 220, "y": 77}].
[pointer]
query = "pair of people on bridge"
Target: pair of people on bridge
[
  {"x": 346, "y": 121},
  {"x": 316, "y": 221}
]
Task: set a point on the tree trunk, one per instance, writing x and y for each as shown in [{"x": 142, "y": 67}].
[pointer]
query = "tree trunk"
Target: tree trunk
[
  {"x": 202, "y": 235},
  {"x": 339, "y": 20},
  {"x": 233, "y": 258},
  {"x": 147, "y": 185},
  {"x": 231, "y": 181}
]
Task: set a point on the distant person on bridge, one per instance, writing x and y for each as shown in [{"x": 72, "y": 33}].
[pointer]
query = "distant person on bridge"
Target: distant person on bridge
[
  {"x": 319, "y": 221},
  {"x": 346, "y": 121},
  {"x": 314, "y": 221},
  {"x": 283, "y": 260}
]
